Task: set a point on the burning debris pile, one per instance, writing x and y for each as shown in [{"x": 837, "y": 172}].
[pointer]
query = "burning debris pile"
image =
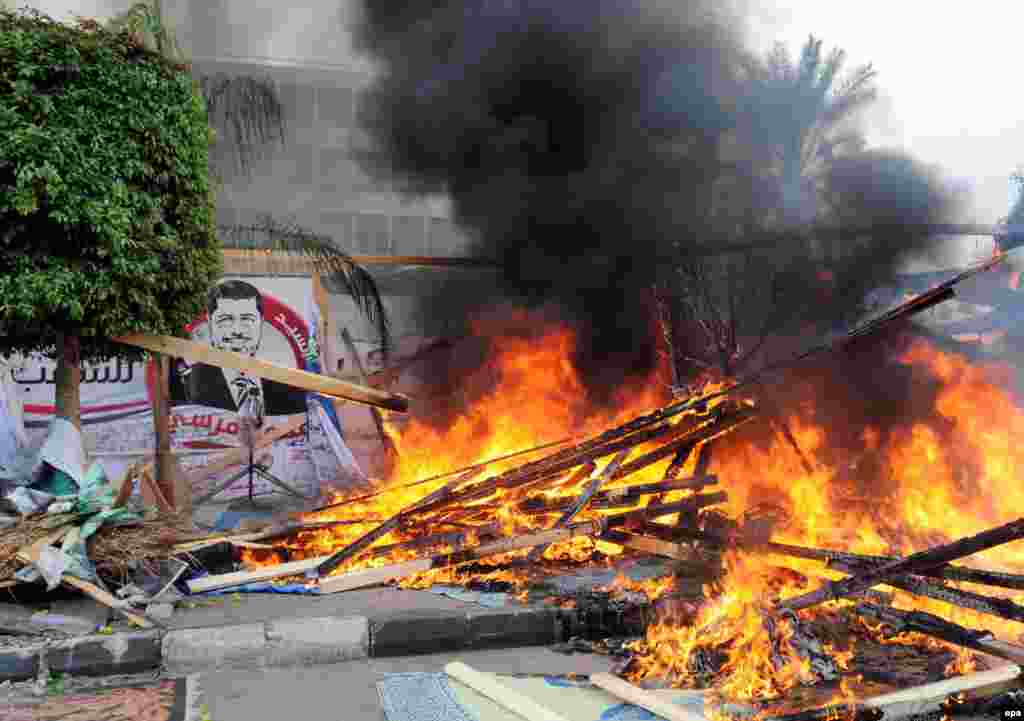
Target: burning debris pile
[{"x": 756, "y": 610}]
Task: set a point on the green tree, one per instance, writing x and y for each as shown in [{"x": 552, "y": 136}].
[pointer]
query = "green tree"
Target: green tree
[
  {"x": 106, "y": 205},
  {"x": 808, "y": 183},
  {"x": 810, "y": 106}
]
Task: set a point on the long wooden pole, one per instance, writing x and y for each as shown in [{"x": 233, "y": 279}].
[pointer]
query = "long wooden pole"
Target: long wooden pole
[
  {"x": 644, "y": 699},
  {"x": 1001, "y": 607},
  {"x": 508, "y": 698},
  {"x": 383, "y": 574},
  {"x": 584, "y": 498},
  {"x": 163, "y": 466},
  {"x": 946, "y": 571},
  {"x": 370, "y": 537},
  {"x": 314, "y": 382},
  {"x": 912, "y": 564}
]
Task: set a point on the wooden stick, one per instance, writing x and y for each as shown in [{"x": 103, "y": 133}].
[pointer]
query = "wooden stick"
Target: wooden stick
[
  {"x": 946, "y": 571},
  {"x": 357, "y": 546},
  {"x": 582, "y": 453},
  {"x": 624, "y": 496},
  {"x": 644, "y": 699},
  {"x": 344, "y": 582},
  {"x": 239, "y": 578},
  {"x": 1001, "y": 607},
  {"x": 294, "y": 568},
  {"x": 911, "y": 564},
  {"x": 446, "y": 474},
  {"x": 313, "y": 382},
  {"x": 921, "y": 701},
  {"x": 584, "y": 498},
  {"x": 98, "y": 594},
  {"x": 31, "y": 554},
  {"x": 531, "y": 472},
  {"x": 504, "y": 696},
  {"x": 930, "y": 625},
  {"x": 148, "y": 483},
  {"x": 647, "y": 544},
  {"x": 675, "y": 468}
]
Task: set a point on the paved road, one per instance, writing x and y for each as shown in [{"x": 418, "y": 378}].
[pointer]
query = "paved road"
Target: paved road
[{"x": 347, "y": 691}]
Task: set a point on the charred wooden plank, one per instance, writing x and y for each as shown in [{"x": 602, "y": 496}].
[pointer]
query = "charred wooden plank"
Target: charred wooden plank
[
  {"x": 393, "y": 523},
  {"x": 649, "y": 544},
  {"x": 584, "y": 498},
  {"x": 676, "y": 467},
  {"x": 912, "y": 564},
  {"x": 930, "y": 625},
  {"x": 360, "y": 579},
  {"x": 946, "y": 570},
  {"x": 625, "y": 496},
  {"x": 1001, "y": 607}
]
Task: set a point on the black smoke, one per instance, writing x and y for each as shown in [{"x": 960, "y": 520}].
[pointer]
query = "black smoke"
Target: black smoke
[{"x": 588, "y": 146}]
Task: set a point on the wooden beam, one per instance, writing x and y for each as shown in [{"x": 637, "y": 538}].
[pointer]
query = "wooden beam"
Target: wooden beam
[
  {"x": 30, "y": 555},
  {"x": 912, "y": 564},
  {"x": 644, "y": 699},
  {"x": 313, "y": 382},
  {"x": 98, "y": 594},
  {"x": 584, "y": 498},
  {"x": 647, "y": 544},
  {"x": 240, "y": 578},
  {"x": 508, "y": 698},
  {"x": 383, "y": 574},
  {"x": 238, "y": 261},
  {"x": 165, "y": 471},
  {"x": 927, "y": 700}
]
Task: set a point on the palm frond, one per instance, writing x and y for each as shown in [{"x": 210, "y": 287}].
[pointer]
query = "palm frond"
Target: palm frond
[
  {"x": 337, "y": 266},
  {"x": 246, "y": 112}
]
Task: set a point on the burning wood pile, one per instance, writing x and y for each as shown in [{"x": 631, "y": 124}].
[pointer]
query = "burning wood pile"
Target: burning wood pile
[{"x": 757, "y": 612}]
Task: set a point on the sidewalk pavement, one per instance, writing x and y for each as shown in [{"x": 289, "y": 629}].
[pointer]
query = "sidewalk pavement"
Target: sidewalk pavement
[
  {"x": 246, "y": 631},
  {"x": 348, "y": 692}
]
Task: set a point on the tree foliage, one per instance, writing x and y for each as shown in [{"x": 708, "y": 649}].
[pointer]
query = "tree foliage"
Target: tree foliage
[
  {"x": 809, "y": 106},
  {"x": 827, "y": 219},
  {"x": 106, "y": 205}
]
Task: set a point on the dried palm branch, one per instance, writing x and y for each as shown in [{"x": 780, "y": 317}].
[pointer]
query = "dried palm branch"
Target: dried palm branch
[{"x": 245, "y": 111}]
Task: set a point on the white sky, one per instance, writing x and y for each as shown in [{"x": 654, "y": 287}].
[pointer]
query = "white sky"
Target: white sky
[{"x": 950, "y": 74}]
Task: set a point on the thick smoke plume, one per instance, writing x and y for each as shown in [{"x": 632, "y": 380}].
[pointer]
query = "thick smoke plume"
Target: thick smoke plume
[{"x": 591, "y": 147}]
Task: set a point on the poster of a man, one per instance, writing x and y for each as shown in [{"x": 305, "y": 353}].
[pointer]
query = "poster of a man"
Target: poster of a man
[{"x": 236, "y": 322}]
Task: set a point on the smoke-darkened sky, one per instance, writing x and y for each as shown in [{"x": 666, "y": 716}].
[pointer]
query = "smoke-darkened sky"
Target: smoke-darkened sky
[{"x": 585, "y": 144}]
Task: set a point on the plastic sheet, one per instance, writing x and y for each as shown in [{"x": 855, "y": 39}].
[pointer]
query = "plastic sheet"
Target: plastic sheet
[{"x": 63, "y": 449}]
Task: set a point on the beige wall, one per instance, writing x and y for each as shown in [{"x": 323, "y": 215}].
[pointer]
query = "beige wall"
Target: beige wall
[{"x": 313, "y": 179}]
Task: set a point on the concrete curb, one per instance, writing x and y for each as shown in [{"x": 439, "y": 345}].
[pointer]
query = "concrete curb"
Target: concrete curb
[{"x": 290, "y": 642}]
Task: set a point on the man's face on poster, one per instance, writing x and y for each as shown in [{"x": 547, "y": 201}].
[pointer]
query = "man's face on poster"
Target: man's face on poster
[{"x": 236, "y": 325}]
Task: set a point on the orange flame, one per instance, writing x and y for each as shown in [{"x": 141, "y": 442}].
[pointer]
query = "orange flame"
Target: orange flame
[{"x": 950, "y": 477}]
